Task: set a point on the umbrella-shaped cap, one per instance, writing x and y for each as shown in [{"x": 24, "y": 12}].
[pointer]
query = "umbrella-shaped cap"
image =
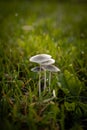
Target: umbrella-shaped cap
[
  {"x": 37, "y": 69},
  {"x": 52, "y": 68},
  {"x": 49, "y": 62},
  {"x": 40, "y": 58}
]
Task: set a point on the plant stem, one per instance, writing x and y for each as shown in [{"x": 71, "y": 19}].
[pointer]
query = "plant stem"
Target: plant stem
[
  {"x": 49, "y": 99},
  {"x": 44, "y": 79},
  {"x": 49, "y": 80},
  {"x": 40, "y": 82}
]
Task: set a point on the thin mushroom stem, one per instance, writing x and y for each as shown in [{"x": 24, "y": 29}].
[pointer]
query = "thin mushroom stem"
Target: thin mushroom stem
[
  {"x": 49, "y": 80},
  {"x": 44, "y": 79},
  {"x": 40, "y": 82}
]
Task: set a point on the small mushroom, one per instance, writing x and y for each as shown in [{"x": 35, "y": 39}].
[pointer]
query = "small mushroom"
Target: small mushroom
[
  {"x": 40, "y": 58},
  {"x": 49, "y": 62},
  {"x": 51, "y": 68},
  {"x": 37, "y": 69}
]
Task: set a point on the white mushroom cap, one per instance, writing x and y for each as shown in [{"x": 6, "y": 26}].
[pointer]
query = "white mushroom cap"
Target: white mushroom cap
[
  {"x": 37, "y": 69},
  {"x": 49, "y": 62},
  {"x": 40, "y": 58},
  {"x": 52, "y": 68}
]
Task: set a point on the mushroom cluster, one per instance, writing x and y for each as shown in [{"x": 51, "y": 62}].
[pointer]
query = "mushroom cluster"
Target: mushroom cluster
[{"x": 45, "y": 62}]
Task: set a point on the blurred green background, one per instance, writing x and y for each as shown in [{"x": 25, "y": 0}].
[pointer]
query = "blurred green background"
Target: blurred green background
[{"x": 58, "y": 28}]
